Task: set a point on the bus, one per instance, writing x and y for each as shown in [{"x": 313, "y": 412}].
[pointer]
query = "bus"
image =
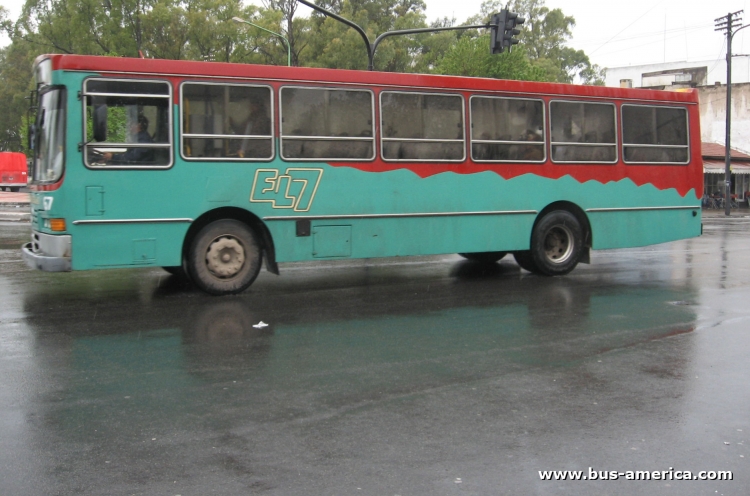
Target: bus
[
  {"x": 212, "y": 169},
  {"x": 13, "y": 171}
]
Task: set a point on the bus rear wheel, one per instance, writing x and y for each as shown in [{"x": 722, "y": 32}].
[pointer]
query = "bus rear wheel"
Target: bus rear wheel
[
  {"x": 225, "y": 257},
  {"x": 556, "y": 243},
  {"x": 486, "y": 257}
]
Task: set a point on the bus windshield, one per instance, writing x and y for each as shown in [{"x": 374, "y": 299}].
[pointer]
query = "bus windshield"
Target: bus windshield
[{"x": 49, "y": 155}]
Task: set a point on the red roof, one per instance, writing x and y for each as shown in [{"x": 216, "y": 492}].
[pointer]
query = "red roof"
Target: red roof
[
  {"x": 187, "y": 68},
  {"x": 717, "y": 152}
]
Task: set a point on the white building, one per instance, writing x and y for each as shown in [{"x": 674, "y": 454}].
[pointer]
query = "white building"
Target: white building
[{"x": 648, "y": 75}]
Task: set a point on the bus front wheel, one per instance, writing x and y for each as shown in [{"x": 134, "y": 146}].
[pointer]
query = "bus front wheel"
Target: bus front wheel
[
  {"x": 556, "y": 243},
  {"x": 486, "y": 257},
  {"x": 225, "y": 257}
]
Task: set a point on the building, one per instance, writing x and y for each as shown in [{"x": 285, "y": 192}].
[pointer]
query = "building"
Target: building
[
  {"x": 714, "y": 167},
  {"x": 701, "y": 73}
]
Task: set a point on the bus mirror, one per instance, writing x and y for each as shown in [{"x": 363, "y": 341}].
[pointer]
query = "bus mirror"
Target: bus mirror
[{"x": 100, "y": 123}]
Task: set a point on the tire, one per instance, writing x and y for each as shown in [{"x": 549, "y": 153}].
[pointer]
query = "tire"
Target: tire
[
  {"x": 15, "y": 189},
  {"x": 224, "y": 257},
  {"x": 176, "y": 271},
  {"x": 487, "y": 257},
  {"x": 557, "y": 243},
  {"x": 525, "y": 261}
]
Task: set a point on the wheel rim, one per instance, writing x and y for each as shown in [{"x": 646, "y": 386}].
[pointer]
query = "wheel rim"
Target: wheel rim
[
  {"x": 225, "y": 256},
  {"x": 559, "y": 244}
]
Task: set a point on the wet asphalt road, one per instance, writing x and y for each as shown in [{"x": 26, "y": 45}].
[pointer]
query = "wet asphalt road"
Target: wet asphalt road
[{"x": 415, "y": 376}]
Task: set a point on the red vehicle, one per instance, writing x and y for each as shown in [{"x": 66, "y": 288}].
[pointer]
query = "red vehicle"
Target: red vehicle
[{"x": 13, "y": 171}]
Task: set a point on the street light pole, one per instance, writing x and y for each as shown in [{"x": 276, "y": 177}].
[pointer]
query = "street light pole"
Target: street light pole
[
  {"x": 288, "y": 46},
  {"x": 372, "y": 46}
]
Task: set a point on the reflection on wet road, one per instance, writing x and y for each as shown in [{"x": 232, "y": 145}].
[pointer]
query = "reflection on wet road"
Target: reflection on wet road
[{"x": 403, "y": 376}]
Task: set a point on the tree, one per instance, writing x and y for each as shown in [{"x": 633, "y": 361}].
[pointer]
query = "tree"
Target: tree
[
  {"x": 112, "y": 27},
  {"x": 471, "y": 57},
  {"x": 15, "y": 84},
  {"x": 5, "y": 23},
  {"x": 165, "y": 34},
  {"x": 435, "y": 46},
  {"x": 293, "y": 28},
  {"x": 337, "y": 45},
  {"x": 211, "y": 33}
]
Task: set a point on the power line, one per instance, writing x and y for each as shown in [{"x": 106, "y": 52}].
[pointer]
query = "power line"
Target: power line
[
  {"x": 718, "y": 57},
  {"x": 650, "y": 34},
  {"x": 626, "y": 27},
  {"x": 671, "y": 37}
]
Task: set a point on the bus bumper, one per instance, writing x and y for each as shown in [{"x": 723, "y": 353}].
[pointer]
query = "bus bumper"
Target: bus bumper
[{"x": 47, "y": 252}]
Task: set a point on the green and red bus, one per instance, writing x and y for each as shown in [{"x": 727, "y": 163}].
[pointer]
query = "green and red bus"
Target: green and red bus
[{"x": 211, "y": 169}]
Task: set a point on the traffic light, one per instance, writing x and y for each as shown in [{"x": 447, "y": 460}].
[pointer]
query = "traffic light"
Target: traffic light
[
  {"x": 497, "y": 30},
  {"x": 512, "y": 20},
  {"x": 503, "y": 29}
]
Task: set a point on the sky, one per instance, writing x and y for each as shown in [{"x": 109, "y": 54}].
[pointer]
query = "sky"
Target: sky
[{"x": 613, "y": 34}]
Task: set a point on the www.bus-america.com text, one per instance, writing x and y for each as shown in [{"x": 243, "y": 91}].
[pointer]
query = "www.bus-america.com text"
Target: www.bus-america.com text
[{"x": 671, "y": 474}]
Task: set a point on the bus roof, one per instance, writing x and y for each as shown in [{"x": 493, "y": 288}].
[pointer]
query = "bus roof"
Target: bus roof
[{"x": 197, "y": 69}]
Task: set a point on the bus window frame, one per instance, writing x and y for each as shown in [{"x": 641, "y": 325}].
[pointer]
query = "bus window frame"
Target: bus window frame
[
  {"x": 170, "y": 124},
  {"x": 226, "y": 136},
  {"x": 564, "y": 143},
  {"x": 416, "y": 140},
  {"x": 651, "y": 105},
  {"x": 327, "y": 138},
  {"x": 499, "y": 97},
  {"x": 47, "y": 88}
]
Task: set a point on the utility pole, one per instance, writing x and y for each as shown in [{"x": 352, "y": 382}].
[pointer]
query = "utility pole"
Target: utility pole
[{"x": 730, "y": 23}]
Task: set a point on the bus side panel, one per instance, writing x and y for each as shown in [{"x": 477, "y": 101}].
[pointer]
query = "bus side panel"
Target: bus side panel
[
  {"x": 642, "y": 228},
  {"x": 99, "y": 246},
  {"x": 499, "y": 213},
  {"x": 385, "y": 237}
]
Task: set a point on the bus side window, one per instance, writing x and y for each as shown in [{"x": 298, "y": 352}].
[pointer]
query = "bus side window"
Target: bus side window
[
  {"x": 654, "y": 134},
  {"x": 422, "y": 127},
  {"x": 226, "y": 121},
  {"x": 583, "y": 132},
  {"x": 327, "y": 124},
  {"x": 128, "y": 123},
  {"x": 507, "y": 130}
]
